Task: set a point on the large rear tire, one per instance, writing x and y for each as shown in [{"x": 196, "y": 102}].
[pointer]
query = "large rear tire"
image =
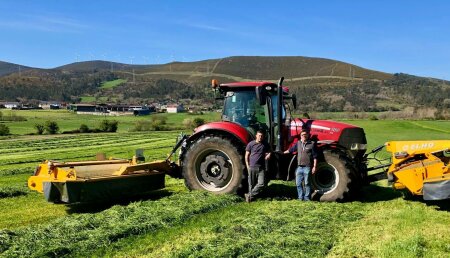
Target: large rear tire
[
  {"x": 332, "y": 180},
  {"x": 213, "y": 164}
]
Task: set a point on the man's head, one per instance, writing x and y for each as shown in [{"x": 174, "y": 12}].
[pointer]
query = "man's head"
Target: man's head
[
  {"x": 259, "y": 136},
  {"x": 304, "y": 135}
]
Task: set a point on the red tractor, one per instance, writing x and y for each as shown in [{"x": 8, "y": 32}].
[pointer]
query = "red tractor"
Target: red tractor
[{"x": 212, "y": 159}]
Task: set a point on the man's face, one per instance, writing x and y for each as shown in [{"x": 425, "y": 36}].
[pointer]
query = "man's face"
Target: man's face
[
  {"x": 304, "y": 136},
  {"x": 259, "y": 137}
]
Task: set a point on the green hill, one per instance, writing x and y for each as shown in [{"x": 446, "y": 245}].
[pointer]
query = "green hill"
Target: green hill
[{"x": 320, "y": 84}]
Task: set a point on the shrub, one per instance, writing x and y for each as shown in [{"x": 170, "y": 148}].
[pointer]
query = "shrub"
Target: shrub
[
  {"x": 158, "y": 123},
  {"x": 84, "y": 129},
  {"x": 108, "y": 126},
  {"x": 40, "y": 128},
  {"x": 188, "y": 123},
  {"x": 373, "y": 117},
  {"x": 142, "y": 125},
  {"x": 113, "y": 125},
  {"x": 4, "y": 129},
  {"x": 51, "y": 127},
  {"x": 199, "y": 121}
]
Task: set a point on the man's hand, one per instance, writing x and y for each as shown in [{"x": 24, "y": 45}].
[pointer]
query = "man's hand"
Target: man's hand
[{"x": 313, "y": 169}]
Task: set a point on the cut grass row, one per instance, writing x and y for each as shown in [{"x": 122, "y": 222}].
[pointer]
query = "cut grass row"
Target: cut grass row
[
  {"x": 261, "y": 229},
  {"x": 81, "y": 233},
  {"x": 268, "y": 227},
  {"x": 125, "y": 146},
  {"x": 80, "y": 139}
]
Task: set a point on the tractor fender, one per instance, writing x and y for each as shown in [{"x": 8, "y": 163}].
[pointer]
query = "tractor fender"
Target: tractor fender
[{"x": 225, "y": 128}]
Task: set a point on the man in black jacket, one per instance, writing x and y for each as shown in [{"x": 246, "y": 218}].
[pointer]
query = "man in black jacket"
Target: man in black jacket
[{"x": 307, "y": 162}]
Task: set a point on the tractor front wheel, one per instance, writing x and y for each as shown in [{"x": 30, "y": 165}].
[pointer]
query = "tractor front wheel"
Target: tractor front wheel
[
  {"x": 213, "y": 164},
  {"x": 332, "y": 179}
]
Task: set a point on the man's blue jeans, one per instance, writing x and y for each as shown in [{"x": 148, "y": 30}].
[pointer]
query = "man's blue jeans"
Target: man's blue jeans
[{"x": 302, "y": 174}]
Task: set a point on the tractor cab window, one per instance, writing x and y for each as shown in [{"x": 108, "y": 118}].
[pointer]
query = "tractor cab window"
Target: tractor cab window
[
  {"x": 243, "y": 108},
  {"x": 274, "y": 102}
]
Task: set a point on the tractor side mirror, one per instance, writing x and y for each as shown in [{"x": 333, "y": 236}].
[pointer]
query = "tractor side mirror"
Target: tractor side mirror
[{"x": 261, "y": 95}]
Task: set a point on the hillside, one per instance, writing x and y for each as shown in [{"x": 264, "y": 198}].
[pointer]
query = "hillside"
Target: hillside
[
  {"x": 8, "y": 68},
  {"x": 98, "y": 65},
  {"x": 320, "y": 84}
]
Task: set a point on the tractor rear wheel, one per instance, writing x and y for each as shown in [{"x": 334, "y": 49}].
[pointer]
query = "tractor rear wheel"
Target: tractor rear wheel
[
  {"x": 332, "y": 179},
  {"x": 213, "y": 164}
]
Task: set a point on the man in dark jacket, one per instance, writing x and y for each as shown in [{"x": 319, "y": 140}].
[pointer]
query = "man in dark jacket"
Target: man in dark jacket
[
  {"x": 256, "y": 154},
  {"x": 306, "y": 161}
]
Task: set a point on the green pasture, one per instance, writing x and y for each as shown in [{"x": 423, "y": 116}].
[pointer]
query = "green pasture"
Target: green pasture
[
  {"x": 175, "y": 222},
  {"x": 68, "y": 120},
  {"x": 112, "y": 84}
]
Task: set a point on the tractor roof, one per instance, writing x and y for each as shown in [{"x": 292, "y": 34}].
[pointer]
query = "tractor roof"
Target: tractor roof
[
  {"x": 245, "y": 84},
  {"x": 251, "y": 84}
]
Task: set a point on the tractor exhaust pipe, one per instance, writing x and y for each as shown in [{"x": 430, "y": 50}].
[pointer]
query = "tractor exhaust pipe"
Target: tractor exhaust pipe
[{"x": 279, "y": 113}]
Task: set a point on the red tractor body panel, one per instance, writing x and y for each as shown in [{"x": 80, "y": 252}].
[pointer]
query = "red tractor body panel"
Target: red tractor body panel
[
  {"x": 320, "y": 129},
  {"x": 232, "y": 128},
  {"x": 328, "y": 131}
]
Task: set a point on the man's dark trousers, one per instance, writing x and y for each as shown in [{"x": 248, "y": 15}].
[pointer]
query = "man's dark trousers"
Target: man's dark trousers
[{"x": 256, "y": 178}]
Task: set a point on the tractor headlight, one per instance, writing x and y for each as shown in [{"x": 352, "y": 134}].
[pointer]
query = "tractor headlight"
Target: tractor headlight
[{"x": 358, "y": 146}]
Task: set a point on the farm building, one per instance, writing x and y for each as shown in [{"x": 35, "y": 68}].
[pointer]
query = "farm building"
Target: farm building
[
  {"x": 50, "y": 105},
  {"x": 175, "y": 108},
  {"x": 82, "y": 108},
  {"x": 11, "y": 105}
]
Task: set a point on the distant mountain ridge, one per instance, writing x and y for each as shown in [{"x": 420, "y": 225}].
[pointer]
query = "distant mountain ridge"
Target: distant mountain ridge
[
  {"x": 321, "y": 84},
  {"x": 9, "y": 68},
  {"x": 248, "y": 67}
]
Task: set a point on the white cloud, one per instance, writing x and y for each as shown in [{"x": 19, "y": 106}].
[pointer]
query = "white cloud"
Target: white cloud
[{"x": 43, "y": 23}]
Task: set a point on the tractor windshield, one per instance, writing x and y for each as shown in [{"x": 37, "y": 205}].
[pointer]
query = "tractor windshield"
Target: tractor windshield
[{"x": 242, "y": 107}]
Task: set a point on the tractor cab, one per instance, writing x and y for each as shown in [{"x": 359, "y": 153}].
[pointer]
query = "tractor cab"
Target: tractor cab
[{"x": 253, "y": 105}]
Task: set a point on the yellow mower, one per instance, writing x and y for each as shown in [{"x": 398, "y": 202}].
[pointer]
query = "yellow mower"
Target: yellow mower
[
  {"x": 422, "y": 167},
  {"x": 100, "y": 180}
]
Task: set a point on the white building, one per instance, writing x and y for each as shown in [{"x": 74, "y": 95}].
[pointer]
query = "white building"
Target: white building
[
  {"x": 175, "y": 108},
  {"x": 11, "y": 105}
]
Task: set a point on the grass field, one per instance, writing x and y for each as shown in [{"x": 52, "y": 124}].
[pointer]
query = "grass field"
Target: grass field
[
  {"x": 68, "y": 120},
  {"x": 177, "y": 223},
  {"x": 112, "y": 84}
]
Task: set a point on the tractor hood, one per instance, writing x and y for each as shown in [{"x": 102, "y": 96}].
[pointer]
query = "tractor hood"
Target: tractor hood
[{"x": 346, "y": 135}]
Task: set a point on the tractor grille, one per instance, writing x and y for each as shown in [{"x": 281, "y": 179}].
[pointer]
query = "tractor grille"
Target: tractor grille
[{"x": 350, "y": 136}]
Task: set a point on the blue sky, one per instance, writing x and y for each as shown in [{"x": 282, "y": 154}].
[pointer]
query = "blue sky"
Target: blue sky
[{"x": 390, "y": 36}]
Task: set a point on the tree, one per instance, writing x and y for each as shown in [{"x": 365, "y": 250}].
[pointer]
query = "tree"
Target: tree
[{"x": 51, "y": 127}]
